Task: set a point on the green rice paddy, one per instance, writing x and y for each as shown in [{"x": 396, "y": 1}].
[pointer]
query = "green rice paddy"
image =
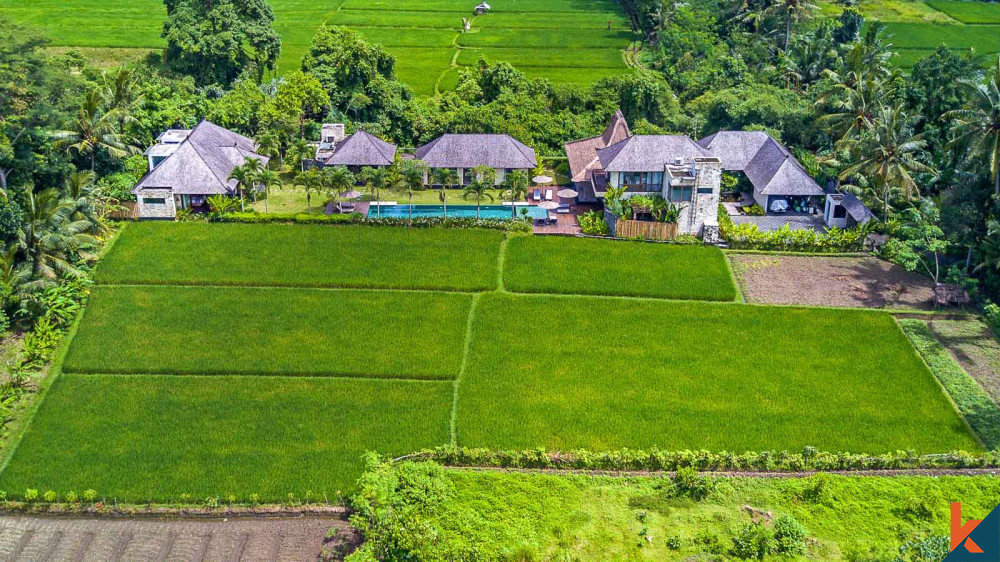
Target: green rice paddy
[
  {"x": 176, "y": 383},
  {"x": 424, "y": 35},
  {"x": 594, "y": 267},
  {"x": 601, "y": 374}
]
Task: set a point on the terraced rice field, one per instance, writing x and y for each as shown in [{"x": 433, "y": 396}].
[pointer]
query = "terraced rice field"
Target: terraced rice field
[
  {"x": 566, "y": 41},
  {"x": 918, "y": 28},
  {"x": 269, "y": 358}
]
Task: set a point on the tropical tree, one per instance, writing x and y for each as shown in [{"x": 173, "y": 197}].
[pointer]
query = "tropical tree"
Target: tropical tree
[
  {"x": 94, "y": 128},
  {"x": 977, "y": 125},
  {"x": 851, "y": 106},
  {"x": 375, "y": 179},
  {"x": 338, "y": 179},
  {"x": 919, "y": 239},
  {"x": 79, "y": 190},
  {"x": 479, "y": 187},
  {"x": 887, "y": 156},
  {"x": 298, "y": 152},
  {"x": 246, "y": 175},
  {"x": 49, "y": 237},
  {"x": 516, "y": 184},
  {"x": 445, "y": 177},
  {"x": 269, "y": 144},
  {"x": 789, "y": 11},
  {"x": 269, "y": 179},
  {"x": 413, "y": 180},
  {"x": 310, "y": 181}
]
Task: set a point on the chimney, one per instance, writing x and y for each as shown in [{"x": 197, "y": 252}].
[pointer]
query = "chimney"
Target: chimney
[{"x": 333, "y": 133}]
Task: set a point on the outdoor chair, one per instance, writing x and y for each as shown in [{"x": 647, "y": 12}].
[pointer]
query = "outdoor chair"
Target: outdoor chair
[
  {"x": 563, "y": 209},
  {"x": 537, "y": 195},
  {"x": 553, "y": 219},
  {"x": 345, "y": 208},
  {"x": 548, "y": 195}
]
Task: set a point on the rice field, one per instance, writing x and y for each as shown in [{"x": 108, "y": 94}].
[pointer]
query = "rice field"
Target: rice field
[
  {"x": 604, "y": 374},
  {"x": 156, "y": 438},
  {"x": 177, "y": 381},
  {"x": 424, "y": 35},
  {"x": 595, "y": 267},
  {"x": 266, "y": 331},
  {"x": 274, "y": 255}
]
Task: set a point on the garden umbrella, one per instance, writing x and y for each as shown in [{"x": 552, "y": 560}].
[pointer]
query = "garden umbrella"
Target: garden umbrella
[
  {"x": 541, "y": 180},
  {"x": 352, "y": 194},
  {"x": 549, "y": 205},
  {"x": 567, "y": 193}
]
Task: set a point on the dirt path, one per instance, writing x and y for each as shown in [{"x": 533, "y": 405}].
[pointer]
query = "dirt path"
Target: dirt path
[
  {"x": 830, "y": 281},
  {"x": 59, "y": 538}
]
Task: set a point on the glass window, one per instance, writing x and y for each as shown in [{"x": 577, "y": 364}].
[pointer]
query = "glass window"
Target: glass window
[
  {"x": 839, "y": 212},
  {"x": 154, "y": 201},
  {"x": 704, "y": 190},
  {"x": 680, "y": 194}
]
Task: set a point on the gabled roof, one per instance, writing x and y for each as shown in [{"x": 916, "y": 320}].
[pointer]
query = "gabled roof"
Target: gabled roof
[
  {"x": 582, "y": 154},
  {"x": 202, "y": 162},
  {"x": 362, "y": 149},
  {"x": 467, "y": 151},
  {"x": 647, "y": 153},
  {"x": 856, "y": 208},
  {"x": 771, "y": 168}
]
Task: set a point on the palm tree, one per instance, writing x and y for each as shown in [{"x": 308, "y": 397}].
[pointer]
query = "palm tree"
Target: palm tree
[
  {"x": 852, "y": 106},
  {"x": 246, "y": 174},
  {"x": 517, "y": 188},
  {"x": 49, "y": 237},
  {"x": 445, "y": 177},
  {"x": 95, "y": 128},
  {"x": 413, "y": 180},
  {"x": 121, "y": 88},
  {"x": 375, "y": 179},
  {"x": 269, "y": 144},
  {"x": 790, "y": 10},
  {"x": 887, "y": 156},
  {"x": 299, "y": 152},
  {"x": 79, "y": 190},
  {"x": 338, "y": 179},
  {"x": 310, "y": 181},
  {"x": 977, "y": 125},
  {"x": 269, "y": 179},
  {"x": 480, "y": 189}
]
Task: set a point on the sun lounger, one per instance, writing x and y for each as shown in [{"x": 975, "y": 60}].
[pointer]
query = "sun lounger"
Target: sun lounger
[
  {"x": 346, "y": 208},
  {"x": 537, "y": 195},
  {"x": 553, "y": 219},
  {"x": 548, "y": 195},
  {"x": 563, "y": 209}
]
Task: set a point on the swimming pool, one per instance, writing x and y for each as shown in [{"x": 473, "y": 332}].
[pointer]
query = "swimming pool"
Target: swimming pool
[{"x": 454, "y": 211}]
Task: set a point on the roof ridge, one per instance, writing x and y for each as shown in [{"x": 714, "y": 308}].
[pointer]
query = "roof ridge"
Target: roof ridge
[
  {"x": 194, "y": 146},
  {"x": 517, "y": 146}
]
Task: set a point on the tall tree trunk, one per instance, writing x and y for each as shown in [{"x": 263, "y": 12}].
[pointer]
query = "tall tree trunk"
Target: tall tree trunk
[
  {"x": 788, "y": 29},
  {"x": 996, "y": 182}
]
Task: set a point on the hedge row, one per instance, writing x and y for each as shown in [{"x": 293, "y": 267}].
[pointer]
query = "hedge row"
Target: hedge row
[
  {"x": 358, "y": 218},
  {"x": 656, "y": 460}
]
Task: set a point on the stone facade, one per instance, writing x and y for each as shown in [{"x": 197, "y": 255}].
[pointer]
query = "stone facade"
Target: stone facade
[
  {"x": 156, "y": 203},
  {"x": 704, "y": 177}
]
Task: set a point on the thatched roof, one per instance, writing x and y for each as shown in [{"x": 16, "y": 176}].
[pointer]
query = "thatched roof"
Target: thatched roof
[
  {"x": 582, "y": 154},
  {"x": 646, "y": 153},
  {"x": 202, "y": 162},
  {"x": 468, "y": 151},
  {"x": 362, "y": 149},
  {"x": 771, "y": 168}
]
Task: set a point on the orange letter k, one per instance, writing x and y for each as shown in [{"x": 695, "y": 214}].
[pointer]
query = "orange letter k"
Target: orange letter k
[{"x": 960, "y": 532}]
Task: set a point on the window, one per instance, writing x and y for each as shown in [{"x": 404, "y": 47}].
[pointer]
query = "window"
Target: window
[
  {"x": 680, "y": 194},
  {"x": 840, "y": 212},
  {"x": 154, "y": 201},
  {"x": 704, "y": 190}
]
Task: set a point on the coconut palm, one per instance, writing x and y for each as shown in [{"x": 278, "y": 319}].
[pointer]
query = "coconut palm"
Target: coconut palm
[
  {"x": 269, "y": 179},
  {"x": 479, "y": 187},
  {"x": 413, "y": 180},
  {"x": 445, "y": 177},
  {"x": 49, "y": 238},
  {"x": 887, "y": 156},
  {"x": 977, "y": 125},
  {"x": 516, "y": 184},
  {"x": 120, "y": 89},
  {"x": 269, "y": 144},
  {"x": 310, "y": 181},
  {"x": 852, "y": 106},
  {"x": 789, "y": 11},
  {"x": 94, "y": 128},
  {"x": 79, "y": 190},
  {"x": 375, "y": 179},
  {"x": 338, "y": 179},
  {"x": 245, "y": 175},
  {"x": 299, "y": 152}
]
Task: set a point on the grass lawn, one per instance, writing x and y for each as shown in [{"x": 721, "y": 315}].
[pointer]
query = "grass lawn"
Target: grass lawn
[
  {"x": 139, "y": 438},
  {"x": 303, "y": 256},
  {"x": 602, "y": 267},
  {"x": 974, "y": 345},
  {"x": 564, "y": 517},
  {"x": 268, "y": 331},
  {"x": 293, "y": 199},
  {"x": 602, "y": 374},
  {"x": 968, "y": 12}
]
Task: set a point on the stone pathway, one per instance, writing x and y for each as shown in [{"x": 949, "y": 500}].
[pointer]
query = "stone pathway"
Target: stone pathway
[{"x": 59, "y": 538}]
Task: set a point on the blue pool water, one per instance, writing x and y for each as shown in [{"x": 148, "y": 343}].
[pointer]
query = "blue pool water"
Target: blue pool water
[{"x": 454, "y": 211}]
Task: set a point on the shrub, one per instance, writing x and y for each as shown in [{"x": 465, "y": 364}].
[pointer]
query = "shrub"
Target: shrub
[
  {"x": 687, "y": 482},
  {"x": 50, "y": 496},
  {"x": 991, "y": 313},
  {"x": 789, "y": 536},
  {"x": 593, "y": 223},
  {"x": 754, "y": 210},
  {"x": 515, "y": 226},
  {"x": 749, "y": 237},
  {"x": 89, "y": 495},
  {"x": 71, "y": 497},
  {"x": 254, "y": 499},
  {"x": 30, "y": 495},
  {"x": 754, "y": 541}
]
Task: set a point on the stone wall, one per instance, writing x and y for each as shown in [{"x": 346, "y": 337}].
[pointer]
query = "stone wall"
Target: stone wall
[{"x": 151, "y": 208}]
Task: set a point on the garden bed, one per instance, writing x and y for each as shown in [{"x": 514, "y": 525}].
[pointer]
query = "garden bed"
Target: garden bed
[{"x": 856, "y": 282}]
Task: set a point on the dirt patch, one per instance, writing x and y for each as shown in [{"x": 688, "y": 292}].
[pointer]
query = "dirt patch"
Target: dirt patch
[
  {"x": 835, "y": 281},
  {"x": 41, "y": 538},
  {"x": 974, "y": 346}
]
